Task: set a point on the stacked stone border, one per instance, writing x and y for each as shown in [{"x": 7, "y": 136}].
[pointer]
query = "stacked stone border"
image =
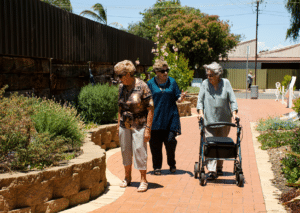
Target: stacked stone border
[
  {"x": 105, "y": 136},
  {"x": 58, "y": 188}
]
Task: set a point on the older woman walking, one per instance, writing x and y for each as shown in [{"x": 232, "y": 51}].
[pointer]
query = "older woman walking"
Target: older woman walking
[
  {"x": 216, "y": 103},
  {"x": 134, "y": 121},
  {"x": 166, "y": 123}
]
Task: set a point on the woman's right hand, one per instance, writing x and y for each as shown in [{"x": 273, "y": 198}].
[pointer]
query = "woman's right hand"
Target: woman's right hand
[{"x": 200, "y": 115}]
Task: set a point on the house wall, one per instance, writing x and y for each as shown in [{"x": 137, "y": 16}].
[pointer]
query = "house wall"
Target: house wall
[{"x": 241, "y": 50}]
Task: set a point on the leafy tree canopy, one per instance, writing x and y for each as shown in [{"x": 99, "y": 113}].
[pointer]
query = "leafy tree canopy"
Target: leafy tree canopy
[
  {"x": 62, "y": 4},
  {"x": 152, "y": 16},
  {"x": 200, "y": 37},
  {"x": 293, "y": 7}
]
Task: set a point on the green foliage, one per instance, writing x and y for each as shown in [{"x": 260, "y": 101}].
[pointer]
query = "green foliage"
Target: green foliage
[
  {"x": 59, "y": 120},
  {"x": 275, "y": 124},
  {"x": 99, "y": 15},
  {"x": 27, "y": 139},
  {"x": 293, "y": 7},
  {"x": 62, "y": 4},
  {"x": 193, "y": 89},
  {"x": 179, "y": 69},
  {"x": 273, "y": 139},
  {"x": 98, "y": 103},
  {"x": 152, "y": 16},
  {"x": 296, "y": 106},
  {"x": 291, "y": 168},
  {"x": 201, "y": 38},
  {"x": 286, "y": 81}
]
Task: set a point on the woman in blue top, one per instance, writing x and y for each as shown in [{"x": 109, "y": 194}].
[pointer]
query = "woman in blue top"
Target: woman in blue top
[
  {"x": 216, "y": 103},
  {"x": 166, "y": 123}
]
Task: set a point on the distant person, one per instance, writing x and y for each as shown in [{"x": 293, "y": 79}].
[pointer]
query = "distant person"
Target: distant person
[
  {"x": 166, "y": 122},
  {"x": 134, "y": 121},
  {"x": 250, "y": 79},
  {"x": 216, "y": 103}
]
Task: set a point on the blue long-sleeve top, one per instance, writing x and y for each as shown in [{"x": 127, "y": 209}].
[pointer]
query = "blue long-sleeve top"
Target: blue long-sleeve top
[
  {"x": 217, "y": 105},
  {"x": 166, "y": 116}
]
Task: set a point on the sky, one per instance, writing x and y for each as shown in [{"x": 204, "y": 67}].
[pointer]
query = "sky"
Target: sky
[{"x": 273, "y": 19}]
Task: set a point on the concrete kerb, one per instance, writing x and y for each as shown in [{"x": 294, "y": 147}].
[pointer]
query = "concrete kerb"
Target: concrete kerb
[{"x": 270, "y": 192}]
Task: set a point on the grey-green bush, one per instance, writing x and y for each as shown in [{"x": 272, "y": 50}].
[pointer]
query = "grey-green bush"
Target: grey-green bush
[{"x": 98, "y": 103}]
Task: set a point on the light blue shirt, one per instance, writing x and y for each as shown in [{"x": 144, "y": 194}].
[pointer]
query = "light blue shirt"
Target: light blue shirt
[{"x": 217, "y": 105}]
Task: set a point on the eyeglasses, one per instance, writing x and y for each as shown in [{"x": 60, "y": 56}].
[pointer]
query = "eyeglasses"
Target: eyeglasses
[{"x": 163, "y": 71}]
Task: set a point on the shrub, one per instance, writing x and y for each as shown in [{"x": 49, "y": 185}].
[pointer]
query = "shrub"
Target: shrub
[
  {"x": 286, "y": 81},
  {"x": 291, "y": 168},
  {"x": 275, "y": 124},
  {"x": 273, "y": 139},
  {"x": 51, "y": 117},
  {"x": 31, "y": 132},
  {"x": 296, "y": 106},
  {"x": 98, "y": 103}
]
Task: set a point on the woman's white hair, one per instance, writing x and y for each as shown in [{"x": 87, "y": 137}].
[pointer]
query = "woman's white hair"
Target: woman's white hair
[{"x": 215, "y": 67}]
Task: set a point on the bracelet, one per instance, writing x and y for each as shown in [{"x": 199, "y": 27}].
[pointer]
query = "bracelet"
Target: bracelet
[{"x": 148, "y": 127}]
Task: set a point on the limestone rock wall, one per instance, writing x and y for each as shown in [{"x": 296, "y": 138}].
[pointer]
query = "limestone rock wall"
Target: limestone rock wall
[
  {"x": 58, "y": 188},
  {"x": 184, "y": 108},
  {"x": 193, "y": 99},
  {"x": 105, "y": 136}
]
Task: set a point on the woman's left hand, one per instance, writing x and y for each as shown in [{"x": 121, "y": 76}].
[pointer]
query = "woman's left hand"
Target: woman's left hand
[
  {"x": 147, "y": 135},
  {"x": 235, "y": 115}
]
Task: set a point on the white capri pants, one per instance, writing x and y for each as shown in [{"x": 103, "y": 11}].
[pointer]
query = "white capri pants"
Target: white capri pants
[
  {"x": 213, "y": 165},
  {"x": 132, "y": 143}
]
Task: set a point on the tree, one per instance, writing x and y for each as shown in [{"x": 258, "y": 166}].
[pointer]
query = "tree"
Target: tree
[
  {"x": 293, "y": 7},
  {"x": 200, "y": 37},
  {"x": 62, "y": 4},
  {"x": 152, "y": 16},
  {"x": 99, "y": 14}
]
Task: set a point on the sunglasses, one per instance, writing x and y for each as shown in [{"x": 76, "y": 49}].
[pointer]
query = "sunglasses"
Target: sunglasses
[
  {"x": 210, "y": 75},
  {"x": 120, "y": 76},
  {"x": 163, "y": 71}
]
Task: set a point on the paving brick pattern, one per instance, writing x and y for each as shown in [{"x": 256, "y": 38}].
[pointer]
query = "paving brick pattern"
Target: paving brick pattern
[{"x": 180, "y": 192}]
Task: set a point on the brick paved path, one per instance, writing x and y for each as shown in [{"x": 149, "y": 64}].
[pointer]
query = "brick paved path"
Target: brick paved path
[{"x": 180, "y": 192}]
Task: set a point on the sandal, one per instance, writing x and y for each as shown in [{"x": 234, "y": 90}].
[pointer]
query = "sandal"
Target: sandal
[
  {"x": 125, "y": 183},
  {"x": 143, "y": 187},
  {"x": 157, "y": 172},
  {"x": 212, "y": 176}
]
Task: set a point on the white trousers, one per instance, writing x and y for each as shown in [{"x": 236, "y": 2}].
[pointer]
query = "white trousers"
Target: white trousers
[{"x": 132, "y": 144}]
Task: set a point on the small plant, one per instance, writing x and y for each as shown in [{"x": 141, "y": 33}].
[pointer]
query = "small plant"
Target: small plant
[
  {"x": 273, "y": 139},
  {"x": 296, "y": 106},
  {"x": 286, "y": 81},
  {"x": 275, "y": 124},
  {"x": 98, "y": 103}
]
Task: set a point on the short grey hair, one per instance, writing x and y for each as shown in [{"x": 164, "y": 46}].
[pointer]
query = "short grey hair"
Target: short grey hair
[{"x": 215, "y": 67}]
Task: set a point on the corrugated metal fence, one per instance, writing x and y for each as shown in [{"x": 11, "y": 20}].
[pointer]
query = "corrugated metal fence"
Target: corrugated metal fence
[
  {"x": 265, "y": 78},
  {"x": 32, "y": 28}
]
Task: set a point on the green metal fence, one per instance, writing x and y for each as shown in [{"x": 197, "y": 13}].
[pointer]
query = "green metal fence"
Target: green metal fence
[{"x": 265, "y": 78}]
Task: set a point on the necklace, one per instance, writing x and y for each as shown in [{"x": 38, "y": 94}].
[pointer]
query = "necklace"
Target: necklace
[{"x": 161, "y": 89}]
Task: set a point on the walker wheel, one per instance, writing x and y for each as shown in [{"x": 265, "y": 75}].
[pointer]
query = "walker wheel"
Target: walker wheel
[
  {"x": 196, "y": 170},
  {"x": 202, "y": 178},
  {"x": 241, "y": 180}
]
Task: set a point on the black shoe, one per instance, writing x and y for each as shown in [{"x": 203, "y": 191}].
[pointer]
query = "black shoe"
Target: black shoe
[
  {"x": 219, "y": 172},
  {"x": 157, "y": 172},
  {"x": 172, "y": 169},
  {"x": 212, "y": 175}
]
